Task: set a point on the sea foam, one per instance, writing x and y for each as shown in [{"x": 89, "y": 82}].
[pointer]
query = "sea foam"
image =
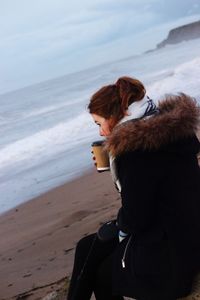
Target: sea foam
[{"x": 46, "y": 131}]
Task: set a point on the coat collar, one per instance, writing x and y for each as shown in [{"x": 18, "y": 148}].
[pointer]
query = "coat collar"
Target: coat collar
[{"x": 178, "y": 118}]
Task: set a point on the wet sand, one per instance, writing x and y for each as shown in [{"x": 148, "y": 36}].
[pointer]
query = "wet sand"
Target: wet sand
[{"x": 38, "y": 237}]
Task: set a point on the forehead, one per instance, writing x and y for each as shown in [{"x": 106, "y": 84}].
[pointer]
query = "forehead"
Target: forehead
[{"x": 97, "y": 118}]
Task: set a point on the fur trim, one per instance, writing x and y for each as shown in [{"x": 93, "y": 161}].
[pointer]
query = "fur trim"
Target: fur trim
[{"x": 178, "y": 118}]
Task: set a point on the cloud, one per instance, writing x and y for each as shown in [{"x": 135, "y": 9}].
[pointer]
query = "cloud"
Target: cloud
[
  {"x": 123, "y": 5},
  {"x": 78, "y": 30},
  {"x": 43, "y": 39}
]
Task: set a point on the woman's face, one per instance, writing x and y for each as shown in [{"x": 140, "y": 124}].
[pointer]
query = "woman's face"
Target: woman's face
[{"x": 104, "y": 125}]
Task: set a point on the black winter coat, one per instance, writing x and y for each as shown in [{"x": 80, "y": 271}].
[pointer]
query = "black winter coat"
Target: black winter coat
[{"x": 158, "y": 170}]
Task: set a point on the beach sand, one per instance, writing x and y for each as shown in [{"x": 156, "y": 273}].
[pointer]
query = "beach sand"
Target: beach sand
[{"x": 38, "y": 237}]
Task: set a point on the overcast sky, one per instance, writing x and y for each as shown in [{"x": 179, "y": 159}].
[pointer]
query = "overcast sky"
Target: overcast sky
[{"x": 43, "y": 39}]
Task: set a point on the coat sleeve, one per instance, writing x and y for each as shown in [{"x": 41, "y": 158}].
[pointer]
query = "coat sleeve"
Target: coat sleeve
[{"x": 140, "y": 176}]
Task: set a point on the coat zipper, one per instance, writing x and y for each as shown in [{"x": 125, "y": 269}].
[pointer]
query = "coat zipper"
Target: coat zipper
[{"x": 125, "y": 250}]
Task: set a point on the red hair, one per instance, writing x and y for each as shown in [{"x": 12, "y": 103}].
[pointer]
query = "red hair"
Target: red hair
[{"x": 111, "y": 101}]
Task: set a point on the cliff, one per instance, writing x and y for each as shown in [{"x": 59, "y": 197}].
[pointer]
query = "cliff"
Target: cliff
[{"x": 182, "y": 33}]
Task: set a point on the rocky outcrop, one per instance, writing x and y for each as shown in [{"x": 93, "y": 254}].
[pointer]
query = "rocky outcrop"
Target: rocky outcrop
[{"x": 182, "y": 33}]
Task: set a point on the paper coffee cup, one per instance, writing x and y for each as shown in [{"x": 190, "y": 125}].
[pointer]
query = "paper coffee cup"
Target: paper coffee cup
[{"x": 100, "y": 156}]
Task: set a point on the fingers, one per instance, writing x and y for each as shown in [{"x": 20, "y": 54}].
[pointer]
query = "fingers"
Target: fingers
[{"x": 94, "y": 158}]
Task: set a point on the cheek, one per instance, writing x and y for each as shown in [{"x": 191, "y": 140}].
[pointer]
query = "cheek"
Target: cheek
[
  {"x": 110, "y": 127},
  {"x": 106, "y": 129}
]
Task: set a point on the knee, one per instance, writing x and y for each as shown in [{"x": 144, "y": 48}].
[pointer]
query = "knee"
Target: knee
[{"x": 85, "y": 242}]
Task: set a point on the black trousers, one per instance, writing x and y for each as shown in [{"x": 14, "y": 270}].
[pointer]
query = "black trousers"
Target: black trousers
[{"x": 92, "y": 270}]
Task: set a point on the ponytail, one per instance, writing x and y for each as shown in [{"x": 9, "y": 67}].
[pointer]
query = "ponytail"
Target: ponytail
[{"x": 130, "y": 90}]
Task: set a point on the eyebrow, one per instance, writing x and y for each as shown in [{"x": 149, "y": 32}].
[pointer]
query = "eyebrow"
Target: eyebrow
[{"x": 96, "y": 122}]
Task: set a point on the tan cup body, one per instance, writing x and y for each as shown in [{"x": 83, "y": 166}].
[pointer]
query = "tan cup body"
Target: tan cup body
[{"x": 101, "y": 156}]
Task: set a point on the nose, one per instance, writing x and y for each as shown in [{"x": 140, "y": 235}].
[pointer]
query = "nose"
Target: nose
[{"x": 101, "y": 132}]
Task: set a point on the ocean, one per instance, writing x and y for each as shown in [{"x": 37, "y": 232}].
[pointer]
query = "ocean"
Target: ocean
[{"x": 46, "y": 131}]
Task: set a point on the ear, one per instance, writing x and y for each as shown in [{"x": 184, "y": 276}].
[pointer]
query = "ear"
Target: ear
[{"x": 127, "y": 113}]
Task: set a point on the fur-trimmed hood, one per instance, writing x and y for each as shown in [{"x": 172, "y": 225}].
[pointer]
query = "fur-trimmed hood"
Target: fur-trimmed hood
[{"x": 178, "y": 118}]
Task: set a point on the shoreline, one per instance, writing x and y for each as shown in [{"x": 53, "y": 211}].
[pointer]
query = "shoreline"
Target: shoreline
[
  {"x": 76, "y": 175},
  {"x": 39, "y": 236}
]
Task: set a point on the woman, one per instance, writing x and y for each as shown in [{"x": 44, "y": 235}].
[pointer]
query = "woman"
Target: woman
[{"x": 154, "y": 165}]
